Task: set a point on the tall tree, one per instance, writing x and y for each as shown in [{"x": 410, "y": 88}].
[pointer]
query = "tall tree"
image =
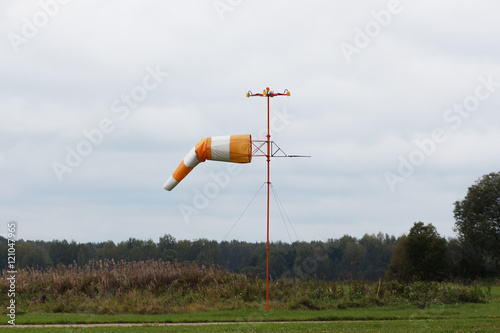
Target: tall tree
[
  {"x": 207, "y": 251},
  {"x": 420, "y": 255},
  {"x": 166, "y": 248},
  {"x": 108, "y": 251},
  {"x": 478, "y": 219},
  {"x": 397, "y": 268},
  {"x": 32, "y": 254},
  {"x": 59, "y": 252},
  {"x": 427, "y": 253}
]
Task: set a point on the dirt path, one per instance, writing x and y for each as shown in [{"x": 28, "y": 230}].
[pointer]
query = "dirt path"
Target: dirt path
[{"x": 161, "y": 324}]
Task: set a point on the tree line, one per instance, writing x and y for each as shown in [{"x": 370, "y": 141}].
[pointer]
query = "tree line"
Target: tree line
[
  {"x": 422, "y": 254},
  {"x": 347, "y": 257}
]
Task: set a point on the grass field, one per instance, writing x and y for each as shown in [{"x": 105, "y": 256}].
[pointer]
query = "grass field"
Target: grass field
[
  {"x": 154, "y": 295},
  {"x": 482, "y": 317},
  {"x": 458, "y": 325}
]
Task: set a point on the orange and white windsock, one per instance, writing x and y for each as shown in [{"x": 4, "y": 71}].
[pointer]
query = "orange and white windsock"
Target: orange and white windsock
[{"x": 229, "y": 148}]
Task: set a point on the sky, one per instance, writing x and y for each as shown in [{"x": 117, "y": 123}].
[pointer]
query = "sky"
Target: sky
[{"x": 396, "y": 102}]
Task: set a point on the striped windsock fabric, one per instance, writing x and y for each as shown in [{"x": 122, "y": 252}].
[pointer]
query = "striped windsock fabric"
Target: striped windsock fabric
[{"x": 229, "y": 148}]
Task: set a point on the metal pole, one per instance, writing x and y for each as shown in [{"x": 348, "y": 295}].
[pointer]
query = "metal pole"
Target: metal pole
[
  {"x": 267, "y": 93},
  {"x": 268, "y": 183}
]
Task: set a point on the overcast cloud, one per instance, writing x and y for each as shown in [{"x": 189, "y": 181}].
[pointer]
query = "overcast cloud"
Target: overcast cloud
[{"x": 397, "y": 102}]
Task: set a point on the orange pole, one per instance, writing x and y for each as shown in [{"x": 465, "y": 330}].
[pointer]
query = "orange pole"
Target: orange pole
[
  {"x": 268, "y": 183},
  {"x": 267, "y": 93}
]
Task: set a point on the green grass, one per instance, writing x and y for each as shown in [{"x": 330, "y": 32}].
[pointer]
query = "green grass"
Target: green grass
[
  {"x": 386, "y": 313},
  {"x": 396, "y": 312},
  {"x": 468, "y": 317},
  {"x": 457, "y": 325},
  {"x": 482, "y": 317},
  {"x": 156, "y": 292}
]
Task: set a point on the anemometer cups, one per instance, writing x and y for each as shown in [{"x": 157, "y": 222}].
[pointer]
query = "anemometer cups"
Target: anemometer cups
[{"x": 229, "y": 148}]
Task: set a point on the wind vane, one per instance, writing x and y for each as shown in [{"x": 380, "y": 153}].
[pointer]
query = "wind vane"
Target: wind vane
[{"x": 235, "y": 149}]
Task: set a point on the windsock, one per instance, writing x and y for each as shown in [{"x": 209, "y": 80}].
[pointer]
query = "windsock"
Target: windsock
[{"x": 229, "y": 148}]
